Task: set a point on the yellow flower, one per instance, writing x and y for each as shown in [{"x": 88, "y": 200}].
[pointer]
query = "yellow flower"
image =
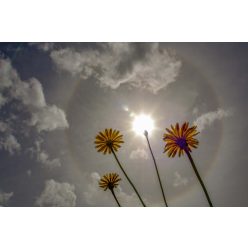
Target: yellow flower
[
  {"x": 180, "y": 139},
  {"x": 109, "y": 181},
  {"x": 108, "y": 140}
]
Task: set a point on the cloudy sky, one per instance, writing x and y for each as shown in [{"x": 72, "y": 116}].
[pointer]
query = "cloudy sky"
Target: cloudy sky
[{"x": 55, "y": 98}]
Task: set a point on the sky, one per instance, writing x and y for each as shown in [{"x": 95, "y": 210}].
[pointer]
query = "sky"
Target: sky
[{"x": 56, "y": 97}]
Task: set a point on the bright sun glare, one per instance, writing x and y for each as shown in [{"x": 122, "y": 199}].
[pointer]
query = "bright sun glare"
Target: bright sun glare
[{"x": 141, "y": 123}]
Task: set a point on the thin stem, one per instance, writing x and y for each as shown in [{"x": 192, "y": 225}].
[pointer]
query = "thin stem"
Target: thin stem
[
  {"x": 199, "y": 178},
  {"x": 156, "y": 167},
  {"x": 112, "y": 191},
  {"x": 118, "y": 162}
]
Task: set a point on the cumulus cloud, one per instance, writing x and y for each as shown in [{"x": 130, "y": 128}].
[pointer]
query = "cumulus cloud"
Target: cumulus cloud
[
  {"x": 5, "y": 197},
  {"x": 10, "y": 144},
  {"x": 179, "y": 180},
  {"x": 49, "y": 118},
  {"x": 95, "y": 196},
  {"x": 139, "y": 153},
  {"x": 8, "y": 76},
  {"x": 208, "y": 118},
  {"x": 27, "y": 108},
  {"x": 30, "y": 93},
  {"x": 121, "y": 63},
  {"x": 57, "y": 194}
]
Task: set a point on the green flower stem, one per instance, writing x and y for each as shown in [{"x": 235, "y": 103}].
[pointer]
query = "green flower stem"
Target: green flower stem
[
  {"x": 199, "y": 178},
  {"x": 118, "y": 162},
  {"x": 156, "y": 167},
  {"x": 113, "y": 193}
]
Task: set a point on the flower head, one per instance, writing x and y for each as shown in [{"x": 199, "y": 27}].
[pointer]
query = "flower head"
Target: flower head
[
  {"x": 108, "y": 140},
  {"x": 109, "y": 181},
  {"x": 180, "y": 139}
]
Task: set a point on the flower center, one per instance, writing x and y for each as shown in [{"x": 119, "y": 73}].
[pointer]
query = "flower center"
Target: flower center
[
  {"x": 109, "y": 143},
  {"x": 110, "y": 185},
  {"x": 182, "y": 143}
]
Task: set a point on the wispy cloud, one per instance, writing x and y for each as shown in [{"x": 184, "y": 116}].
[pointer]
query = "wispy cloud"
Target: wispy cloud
[
  {"x": 115, "y": 64},
  {"x": 139, "y": 153},
  {"x": 179, "y": 180},
  {"x": 57, "y": 194},
  {"x": 208, "y": 118}
]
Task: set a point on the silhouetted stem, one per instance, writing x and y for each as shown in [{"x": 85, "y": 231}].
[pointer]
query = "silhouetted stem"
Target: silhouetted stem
[
  {"x": 112, "y": 191},
  {"x": 199, "y": 178},
  {"x": 118, "y": 162},
  {"x": 156, "y": 167}
]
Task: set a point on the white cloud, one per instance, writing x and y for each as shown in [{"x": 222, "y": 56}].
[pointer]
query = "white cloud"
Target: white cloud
[
  {"x": 117, "y": 63},
  {"x": 10, "y": 144},
  {"x": 5, "y": 197},
  {"x": 38, "y": 114},
  {"x": 128, "y": 200},
  {"x": 8, "y": 76},
  {"x": 30, "y": 93},
  {"x": 57, "y": 195},
  {"x": 43, "y": 116},
  {"x": 77, "y": 62},
  {"x": 208, "y": 118},
  {"x": 179, "y": 180},
  {"x": 139, "y": 153},
  {"x": 43, "y": 157},
  {"x": 96, "y": 196},
  {"x": 49, "y": 118}
]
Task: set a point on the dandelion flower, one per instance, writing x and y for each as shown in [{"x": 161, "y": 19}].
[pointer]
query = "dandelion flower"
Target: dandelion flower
[
  {"x": 178, "y": 140},
  {"x": 110, "y": 181},
  {"x": 108, "y": 140}
]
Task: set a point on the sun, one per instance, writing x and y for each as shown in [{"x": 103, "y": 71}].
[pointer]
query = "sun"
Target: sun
[{"x": 141, "y": 123}]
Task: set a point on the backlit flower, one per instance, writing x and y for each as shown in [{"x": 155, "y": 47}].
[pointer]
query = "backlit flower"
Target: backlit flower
[
  {"x": 180, "y": 139},
  {"x": 107, "y": 140},
  {"x": 109, "y": 181}
]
